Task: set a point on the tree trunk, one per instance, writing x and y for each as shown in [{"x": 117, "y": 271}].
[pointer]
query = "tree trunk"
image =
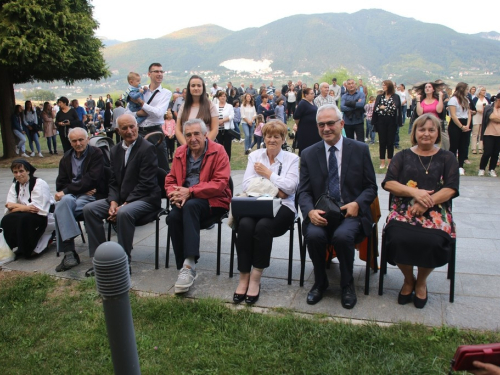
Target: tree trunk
[{"x": 7, "y": 104}]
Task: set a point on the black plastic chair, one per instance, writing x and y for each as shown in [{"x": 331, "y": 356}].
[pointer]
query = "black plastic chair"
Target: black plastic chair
[
  {"x": 152, "y": 216},
  {"x": 450, "y": 272},
  {"x": 207, "y": 224},
  {"x": 291, "y": 229}
]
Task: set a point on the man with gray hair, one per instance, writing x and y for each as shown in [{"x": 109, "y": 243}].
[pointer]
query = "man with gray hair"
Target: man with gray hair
[
  {"x": 198, "y": 187},
  {"x": 353, "y": 106},
  {"x": 323, "y": 98},
  {"x": 80, "y": 181}
]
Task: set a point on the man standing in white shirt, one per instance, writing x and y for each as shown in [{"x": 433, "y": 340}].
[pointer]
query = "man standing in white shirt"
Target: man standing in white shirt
[
  {"x": 336, "y": 90},
  {"x": 154, "y": 106}
]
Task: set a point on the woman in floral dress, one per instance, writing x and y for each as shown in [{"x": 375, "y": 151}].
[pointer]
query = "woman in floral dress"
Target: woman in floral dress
[{"x": 420, "y": 230}]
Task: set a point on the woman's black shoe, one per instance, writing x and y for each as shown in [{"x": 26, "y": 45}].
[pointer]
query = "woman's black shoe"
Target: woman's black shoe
[
  {"x": 238, "y": 298},
  {"x": 420, "y": 302},
  {"x": 252, "y": 299},
  {"x": 404, "y": 299}
]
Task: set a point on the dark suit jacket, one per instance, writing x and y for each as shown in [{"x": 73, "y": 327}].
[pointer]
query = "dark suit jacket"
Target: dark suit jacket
[
  {"x": 137, "y": 181},
  {"x": 357, "y": 180},
  {"x": 92, "y": 174}
]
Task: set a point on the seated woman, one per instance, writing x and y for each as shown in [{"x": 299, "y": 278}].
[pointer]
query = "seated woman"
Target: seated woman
[
  {"x": 28, "y": 222},
  {"x": 420, "y": 229},
  {"x": 255, "y": 236}
]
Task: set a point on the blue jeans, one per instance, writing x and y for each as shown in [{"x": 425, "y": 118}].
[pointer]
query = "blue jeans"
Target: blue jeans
[
  {"x": 237, "y": 127},
  {"x": 22, "y": 140},
  {"x": 54, "y": 143},
  {"x": 369, "y": 131},
  {"x": 403, "y": 112},
  {"x": 33, "y": 137},
  {"x": 248, "y": 130}
]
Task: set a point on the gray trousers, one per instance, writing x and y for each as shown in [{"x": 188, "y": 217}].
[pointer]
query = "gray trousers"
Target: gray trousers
[
  {"x": 97, "y": 211},
  {"x": 69, "y": 207}
]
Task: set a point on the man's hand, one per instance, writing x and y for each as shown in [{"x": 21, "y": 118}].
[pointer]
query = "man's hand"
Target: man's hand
[
  {"x": 113, "y": 210},
  {"x": 485, "y": 369},
  {"x": 137, "y": 101},
  {"x": 59, "y": 196},
  {"x": 179, "y": 196},
  {"x": 91, "y": 192},
  {"x": 351, "y": 208},
  {"x": 317, "y": 219}
]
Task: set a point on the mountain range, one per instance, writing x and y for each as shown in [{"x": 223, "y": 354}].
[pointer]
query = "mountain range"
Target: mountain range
[{"x": 369, "y": 43}]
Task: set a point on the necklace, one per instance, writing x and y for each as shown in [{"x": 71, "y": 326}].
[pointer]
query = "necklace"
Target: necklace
[{"x": 426, "y": 169}]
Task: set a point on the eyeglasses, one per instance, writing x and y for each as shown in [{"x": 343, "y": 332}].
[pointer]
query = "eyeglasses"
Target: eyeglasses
[
  {"x": 328, "y": 123},
  {"x": 157, "y": 71}
]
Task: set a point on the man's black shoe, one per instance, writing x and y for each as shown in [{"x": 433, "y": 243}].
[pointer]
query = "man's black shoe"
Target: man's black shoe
[
  {"x": 349, "y": 298},
  {"x": 316, "y": 294}
]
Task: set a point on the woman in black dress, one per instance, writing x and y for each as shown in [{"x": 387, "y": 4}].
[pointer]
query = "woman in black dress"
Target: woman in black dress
[
  {"x": 386, "y": 119},
  {"x": 420, "y": 229},
  {"x": 108, "y": 119},
  {"x": 305, "y": 127},
  {"x": 66, "y": 119}
]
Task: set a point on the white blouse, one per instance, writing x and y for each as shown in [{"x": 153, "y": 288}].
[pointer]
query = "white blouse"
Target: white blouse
[
  {"x": 40, "y": 196},
  {"x": 287, "y": 181},
  {"x": 247, "y": 111}
]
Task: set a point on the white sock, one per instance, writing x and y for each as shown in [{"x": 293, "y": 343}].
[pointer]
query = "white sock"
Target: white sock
[{"x": 189, "y": 261}]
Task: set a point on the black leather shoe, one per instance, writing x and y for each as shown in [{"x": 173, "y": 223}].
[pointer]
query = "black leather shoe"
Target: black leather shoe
[
  {"x": 404, "y": 299},
  {"x": 420, "y": 302},
  {"x": 252, "y": 299},
  {"x": 238, "y": 298},
  {"x": 316, "y": 294},
  {"x": 349, "y": 298}
]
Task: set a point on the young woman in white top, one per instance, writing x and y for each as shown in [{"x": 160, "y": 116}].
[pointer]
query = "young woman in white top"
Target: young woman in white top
[
  {"x": 248, "y": 115},
  {"x": 479, "y": 102},
  {"x": 226, "y": 115}
]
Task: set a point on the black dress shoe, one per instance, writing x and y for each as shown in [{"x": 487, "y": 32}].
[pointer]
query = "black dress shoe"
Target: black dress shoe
[
  {"x": 404, "y": 299},
  {"x": 349, "y": 298},
  {"x": 420, "y": 302},
  {"x": 316, "y": 294},
  {"x": 252, "y": 299},
  {"x": 238, "y": 298}
]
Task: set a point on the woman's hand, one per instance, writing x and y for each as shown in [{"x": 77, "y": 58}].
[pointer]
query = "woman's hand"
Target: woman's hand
[
  {"x": 382, "y": 107},
  {"x": 262, "y": 170},
  {"x": 423, "y": 197},
  {"x": 418, "y": 97},
  {"x": 295, "y": 128},
  {"x": 466, "y": 129},
  {"x": 418, "y": 210},
  {"x": 282, "y": 195},
  {"x": 485, "y": 369}
]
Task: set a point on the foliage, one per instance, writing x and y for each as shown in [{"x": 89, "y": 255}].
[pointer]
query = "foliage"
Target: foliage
[
  {"x": 40, "y": 95},
  {"x": 45, "y": 40},
  {"x": 57, "y": 327}
]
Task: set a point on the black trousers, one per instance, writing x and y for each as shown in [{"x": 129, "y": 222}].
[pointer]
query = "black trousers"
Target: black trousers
[
  {"x": 386, "y": 128},
  {"x": 491, "y": 146},
  {"x": 459, "y": 141},
  {"x": 255, "y": 238},
  {"x": 161, "y": 149},
  {"x": 184, "y": 225},
  {"x": 170, "y": 146},
  {"x": 357, "y": 129},
  {"x": 23, "y": 230},
  {"x": 291, "y": 109},
  {"x": 343, "y": 240},
  {"x": 225, "y": 139}
]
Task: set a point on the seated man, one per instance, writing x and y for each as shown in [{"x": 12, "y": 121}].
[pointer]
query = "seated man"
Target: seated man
[
  {"x": 80, "y": 181},
  {"x": 344, "y": 167},
  {"x": 198, "y": 187},
  {"x": 133, "y": 188}
]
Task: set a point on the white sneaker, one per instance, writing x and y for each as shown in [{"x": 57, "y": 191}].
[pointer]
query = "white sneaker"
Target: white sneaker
[
  {"x": 493, "y": 173},
  {"x": 186, "y": 278},
  {"x": 461, "y": 171},
  {"x": 366, "y": 139},
  {"x": 242, "y": 140},
  {"x": 17, "y": 150},
  {"x": 481, "y": 172},
  {"x": 32, "y": 153},
  {"x": 25, "y": 155},
  {"x": 40, "y": 154}
]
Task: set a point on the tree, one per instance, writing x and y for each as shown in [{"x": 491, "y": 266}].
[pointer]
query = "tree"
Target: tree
[
  {"x": 45, "y": 40},
  {"x": 40, "y": 95}
]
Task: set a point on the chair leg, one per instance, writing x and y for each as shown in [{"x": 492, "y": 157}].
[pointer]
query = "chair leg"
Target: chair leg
[
  {"x": 383, "y": 266},
  {"x": 368, "y": 265},
  {"x": 81, "y": 231},
  {"x": 167, "y": 251},
  {"x": 231, "y": 258},
  {"x": 157, "y": 243},
  {"x": 290, "y": 255},
  {"x": 302, "y": 249},
  {"x": 375, "y": 247},
  {"x": 451, "y": 272},
  {"x": 109, "y": 230},
  {"x": 219, "y": 235}
]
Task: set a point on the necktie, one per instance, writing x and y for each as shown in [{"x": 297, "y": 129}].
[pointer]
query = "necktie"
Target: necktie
[{"x": 333, "y": 175}]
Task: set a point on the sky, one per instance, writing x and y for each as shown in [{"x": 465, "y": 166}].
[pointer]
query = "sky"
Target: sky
[{"x": 133, "y": 19}]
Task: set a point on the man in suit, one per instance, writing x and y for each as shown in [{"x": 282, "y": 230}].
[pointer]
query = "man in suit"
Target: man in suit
[
  {"x": 343, "y": 167},
  {"x": 79, "y": 182},
  {"x": 133, "y": 188}
]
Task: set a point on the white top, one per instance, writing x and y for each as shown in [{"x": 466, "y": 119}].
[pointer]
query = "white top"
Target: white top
[
  {"x": 461, "y": 112},
  {"x": 156, "y": 109},
  {"x": 338, "y": 154},
  {"x": 287, "y": 181},
  {"x": 291, "y": 97},
  {"x": 247, "y": 111},
  {"x": 336, "y": 91},
  {"x": 478, "y": 117},
  {"x": 402, "y": 97},
  {"x": 40, "y": 196},
  {"x": 228, "y": 111}
]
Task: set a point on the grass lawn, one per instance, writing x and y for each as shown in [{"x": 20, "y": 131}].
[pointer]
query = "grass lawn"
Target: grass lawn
[
  {"x": 238, "y": 157},
  {"x": 51, "y": 326}
]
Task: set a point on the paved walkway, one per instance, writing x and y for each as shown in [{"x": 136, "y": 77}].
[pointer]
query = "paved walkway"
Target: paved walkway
[{"x": 477, "y": 298}]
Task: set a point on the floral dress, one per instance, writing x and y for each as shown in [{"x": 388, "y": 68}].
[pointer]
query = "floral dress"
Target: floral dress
[
  {"x": 421, "y": 241},
  {"x": 390, "y": 107}
]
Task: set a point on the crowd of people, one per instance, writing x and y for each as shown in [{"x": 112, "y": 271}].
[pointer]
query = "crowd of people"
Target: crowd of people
[{"x": 332, "y": 125}]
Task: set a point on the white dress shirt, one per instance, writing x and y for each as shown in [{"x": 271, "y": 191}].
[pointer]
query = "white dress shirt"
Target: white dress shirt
[{"x": 156, "y": 109}]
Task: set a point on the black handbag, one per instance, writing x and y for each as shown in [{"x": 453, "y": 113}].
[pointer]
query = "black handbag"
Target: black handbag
[{"x": 333, "y": 213}]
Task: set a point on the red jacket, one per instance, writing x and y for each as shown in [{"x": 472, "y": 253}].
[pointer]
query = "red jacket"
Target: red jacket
[{"x": 214, "y": 175}]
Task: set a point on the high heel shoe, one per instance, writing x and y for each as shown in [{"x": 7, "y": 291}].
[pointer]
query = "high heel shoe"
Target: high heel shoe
[
  {"x": 238, "y": 298},
  {"x": 420, "y": 302},
  {"x": 252, "y": 299}
]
